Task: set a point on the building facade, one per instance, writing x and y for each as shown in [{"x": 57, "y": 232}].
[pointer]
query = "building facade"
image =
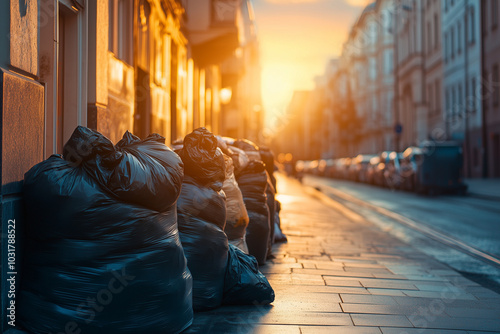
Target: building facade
[
  {"x": 114, "y": 65},
  {"x": 491, "y": 122},
  {"x": 433, "y": 58},
  {"x": 384, "y": 139},
  {"x": 462, "y": 76},
  {"x": 426, "y": 71}
]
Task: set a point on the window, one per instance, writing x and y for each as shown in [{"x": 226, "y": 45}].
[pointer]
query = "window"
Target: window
[
  {"x": 437, "y": 100},
  {"x": 453, "y": 101},
  {"x": 437, "y": 31},
  {"x": 452, "y": 42},
  {"x": 373, "y": 68},
  {"x": 473, "y": 92},
  {"x": 494, "y": 14},
  {"x": 120, "y": 29},
  {"x": 495, "y": 86},
  {"x": 472, "y": 28},
  {"x": 447, "y": 101},
  {"x": 445, "y": 47},
  {"x": 459, "y": 99},
  {"x": 429, "y": 41},
  {"x": 459, "y": 38},
  {"x": 388, "y": 61},
  {"x": 430, "y": 96}
]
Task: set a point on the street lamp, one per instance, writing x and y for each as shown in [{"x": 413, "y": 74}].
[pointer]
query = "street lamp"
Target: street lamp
[{"x": 225, "y": 95}]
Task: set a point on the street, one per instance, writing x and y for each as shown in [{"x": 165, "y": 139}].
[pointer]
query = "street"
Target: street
[
  {"x": 342, "y": 273},
  {"x": 469, "y": 221}
]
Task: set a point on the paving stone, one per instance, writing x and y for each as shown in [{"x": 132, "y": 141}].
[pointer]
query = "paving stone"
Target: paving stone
[
  {"x": 364, "y": 265},
  {"x": 307, "y": 305},
  {"x": 379, "y": 309},
  {"x": 367, "y": 270},
  {"x": 385, "y": 292},
  {"x": 437, "y": 287},
  {"x": 338, "y": 281},
  {"x": 433, "y": 294},
  {"x": 457, "y": 323},
  {"x": 389, "y": 330},
  {"x": 427, "y": 277},
  {"x": 387, "y": 284},
  {"x": 389, "y": 276},
  {"x": 307, "y": 318},
  {"x": 339, "y": 330},
  {"x": 308, "y": 265},
  {"x": 329, "y": 265},
  {"x": 380, "y": 320},
  {"x": 276, "y": 329},
  {"x": 488, "y": 296},
  {"x": 319, "y": 271},
  {"x": 467, "y": 312},
  {"x": 367, "y": 299}
]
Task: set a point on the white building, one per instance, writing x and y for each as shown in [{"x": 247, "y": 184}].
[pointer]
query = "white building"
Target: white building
[
  {"x": 384, "y": 122},
  {"x": 411, "y": 112},
  {"x": 462, "y": 78}
]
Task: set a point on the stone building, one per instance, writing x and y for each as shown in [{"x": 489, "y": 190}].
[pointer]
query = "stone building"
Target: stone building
[
  {"x": 113, "y": 65},
  {"x": 433, "y": 53},
  {"x": 411, "y": 103},
  {"x": 462, "y": 75},
  {"x": 491, "y": 122}
]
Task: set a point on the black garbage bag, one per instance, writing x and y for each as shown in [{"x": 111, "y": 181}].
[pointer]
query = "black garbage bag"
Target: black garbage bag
[
  {"x": 236, "y": 213},
  {"x": 253, "y": 184},
  {"x": 201, "y": 211},
  {"x": 201, "y": 158},
  {"x": 271, "y": 204},
  {"x": 96, "y": 263},
  {"x": 268, "y": 160},
  {"x": 279, "y": 236},
  {"x": 240, "y": 159},
  {"x": 244, "y": 284},
  {"x": 246, "y": 145}
]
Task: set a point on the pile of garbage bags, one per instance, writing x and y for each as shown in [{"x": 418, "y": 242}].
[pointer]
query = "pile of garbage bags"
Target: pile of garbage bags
[
  {"x": 103, "y": 253},
  {"x": 133, "y": 237}
]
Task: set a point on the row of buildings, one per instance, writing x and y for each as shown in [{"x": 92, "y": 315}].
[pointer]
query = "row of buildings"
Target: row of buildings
[
  {"x": 410, "y": 70},
  {"x": 164, "y": 66}
]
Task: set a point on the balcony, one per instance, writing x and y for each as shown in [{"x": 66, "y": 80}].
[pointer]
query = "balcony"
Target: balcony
[{"x": 213, "y": 29}]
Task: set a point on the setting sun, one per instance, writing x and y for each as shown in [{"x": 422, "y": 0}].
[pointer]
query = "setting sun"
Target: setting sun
[{"x": 297, "y": 38}]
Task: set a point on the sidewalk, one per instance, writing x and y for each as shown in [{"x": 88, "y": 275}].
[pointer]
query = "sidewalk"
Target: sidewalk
[
  {"x": 341, "y": 274},
  {"x": 484, "y": 188}
]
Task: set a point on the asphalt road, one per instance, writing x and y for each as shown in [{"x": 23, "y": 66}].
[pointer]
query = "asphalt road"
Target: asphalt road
[{"x": 473, "y": 222}]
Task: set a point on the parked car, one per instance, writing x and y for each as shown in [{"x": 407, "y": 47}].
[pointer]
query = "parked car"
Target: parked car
[
  {"x": 371, "y": 170},
  {"x": 441, "y": 168},
  {"x": 322, "y": 167},
  {"x": 359, "y": 166},
  {"x": 392, "y": 172},
  {"x": 412, "y": 158},
  {"x": 330, "y": 167},
  {"x": 379, "y": 174}
]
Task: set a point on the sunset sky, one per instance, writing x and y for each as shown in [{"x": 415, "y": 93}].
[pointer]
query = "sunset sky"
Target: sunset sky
[{"x": 297, "y": 38}]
